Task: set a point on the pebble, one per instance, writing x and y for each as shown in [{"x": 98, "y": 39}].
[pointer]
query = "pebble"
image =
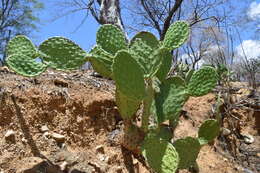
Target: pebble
[
  {"x": 226, "y": 131},
  {"x": 63, "y": 166},
  {"x": 58, "y": 137},
  {"x": 44, "y": 128},
  {"x": 100, "y": 149},
  {"x": 249, "y": 139},
  {"x": 10, "y": 135}
]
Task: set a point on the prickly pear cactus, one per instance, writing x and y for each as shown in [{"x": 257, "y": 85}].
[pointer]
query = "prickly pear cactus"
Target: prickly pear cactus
[
  {"x": 140, "y": 71},
  {"x": 21, "y": 45},
  {"x": 101, "y": 61},
  {"x": 188, "y": 150},
  {"x": 128, "y": 76},
  {"x": 25, "y": 65},
  {"x": 176, "y": 35},
  {"x": 169, "y": 101},
  {"x": 208, "y": 131},
  {"x": 62, "y": 53},
  {"x": 147, "y": 38},
  {"x": 111, "y": 38},
  {"x": 161, "y": 156},
  {"x": 202, "y": 81}
]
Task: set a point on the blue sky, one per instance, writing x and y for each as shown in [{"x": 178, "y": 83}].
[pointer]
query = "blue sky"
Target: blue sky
[
  {"x": 85, "y": 35},
  {"x": 65, "y": 26}
]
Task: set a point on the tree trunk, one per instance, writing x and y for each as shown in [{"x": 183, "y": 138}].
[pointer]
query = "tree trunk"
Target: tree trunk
[{"x": 110, "y": 13}]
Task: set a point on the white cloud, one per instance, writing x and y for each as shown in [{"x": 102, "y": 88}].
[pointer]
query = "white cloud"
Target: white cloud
[
  {"x": 251, "y": 48},
  {"x": 254, "y": 11}
]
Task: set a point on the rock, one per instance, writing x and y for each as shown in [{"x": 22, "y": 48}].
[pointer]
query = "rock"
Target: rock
[
  {"x": 24, "y": 140},
  {"x": 100, "y": 149},
  {"x": 249, "y": 139},
  {"x": 58, "y": 137},
  {"x": 226, "y": 131},
  {"x": 44, "y": 128},
  {"x": 63, "y": 166},
  {"x": 10, "y": 135}
]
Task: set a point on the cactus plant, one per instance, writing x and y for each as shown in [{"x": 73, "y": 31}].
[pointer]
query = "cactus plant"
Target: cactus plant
[{"x": 139, "y": 70}]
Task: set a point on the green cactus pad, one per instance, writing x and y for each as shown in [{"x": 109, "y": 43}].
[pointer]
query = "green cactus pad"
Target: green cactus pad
[
  {"x": 208, "y": 131},
  {"x": 128, "y": 76},
  {"x": 176, "y": 35},
  {"x": 168, "y": 103},
  {"x": 127, "y": 107},
  {"x": 164, "y": 133},
  {"x": 146, "y": 37},
  {"x": 141, "y": 52},
  {"x": 165, "y": 66},
  {"x": 202, "y": 81},
  {"x": 21, "y": 45},
  {"x": 62, "y": 53},
  {"x": 160, "y": 155},
  {"x": 25, "y": 66},
  {"x": 111, "y": 38},
  {"x": 101, "y": 61},
  {"x": 188, "y": 150}
]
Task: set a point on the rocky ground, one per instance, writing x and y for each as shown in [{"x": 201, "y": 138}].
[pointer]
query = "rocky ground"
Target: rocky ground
[{"x": 68, "y": 122}]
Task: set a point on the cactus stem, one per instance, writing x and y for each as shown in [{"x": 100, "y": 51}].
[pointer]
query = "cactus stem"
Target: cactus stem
[{"x": 147, "y": 106}]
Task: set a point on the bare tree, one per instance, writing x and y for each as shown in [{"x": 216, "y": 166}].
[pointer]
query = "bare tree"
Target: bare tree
[{"x": 103, "y": 11}]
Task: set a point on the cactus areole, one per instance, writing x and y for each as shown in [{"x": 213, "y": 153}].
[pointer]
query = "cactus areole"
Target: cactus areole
[{"x": 140, "y": 69}]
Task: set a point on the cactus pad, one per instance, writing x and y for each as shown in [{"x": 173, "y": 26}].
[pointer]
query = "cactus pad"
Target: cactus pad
[
  {"x": 62, "y": 53},
  {"x": 202, "y": 81},
  {"x": 25, "y": 65},
  {"x": 146, "y": 37},
  {"x": 188, "y": 150},
  {"x": 208, "y": 131},
  {"x": 176, "y": 35},
  {"x": 128, "y": 76},
  {"x": 165, "y": 66},
  {"x": 169, "y": 102},
  {"x": 127, "y": 107},
  {"x": 21, "y": 45},
  {"x": 101, "y": 61},
  {"x": 111, "y": 38},
  {"x": 161, "y": 156}
]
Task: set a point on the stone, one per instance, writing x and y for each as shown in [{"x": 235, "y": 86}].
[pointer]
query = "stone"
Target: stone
[
  {"x": 10, "y": 135},
  {"x": 100, "y": 149},
  {"x": 58, "y": 137},
  {"x": 44, "y": 128},
  {"x": 226, "y": 131}
]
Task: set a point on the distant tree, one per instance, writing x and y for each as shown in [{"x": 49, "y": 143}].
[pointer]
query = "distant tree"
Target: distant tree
[
  {"x": 16, "y": 17},
  {"x": 103, "y": 11}
]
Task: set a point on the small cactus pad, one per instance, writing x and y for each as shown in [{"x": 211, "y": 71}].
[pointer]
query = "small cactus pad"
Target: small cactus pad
[
  {"x": 127, "y": 107},
  {"x": 62, "y": 53},
  {"x": 202, "y": 81},
  {"x": 188, "y": 150},
  {"x": 141, "y": 52},
  {"x": 176, "y": 35},
  {"x": 169, "y": 102},
  {"x": 165, "y": 66},
  {"x": 21, "y": 45},
  {"x": 25, "y": 66},
  {"x": 128, "y": 76},
  {"x": 208, "y": 131},
  {"x": 101, "y": 61},
  {"x": 111, "y": 38},
  {"x": 146, "y": 37},
  {"x": 161, "y": 156}
]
